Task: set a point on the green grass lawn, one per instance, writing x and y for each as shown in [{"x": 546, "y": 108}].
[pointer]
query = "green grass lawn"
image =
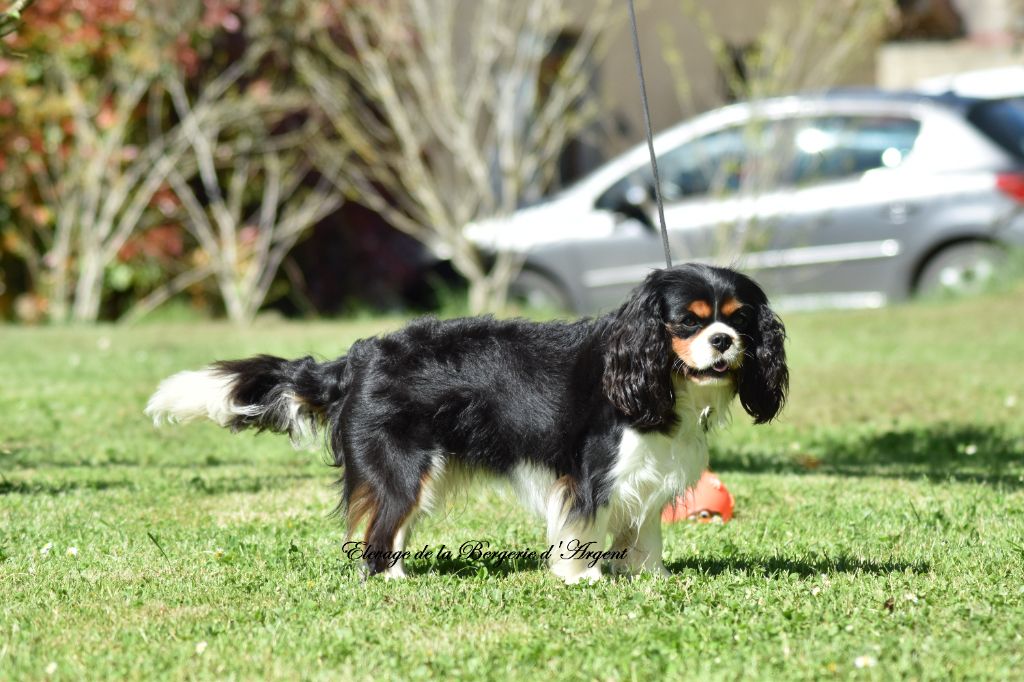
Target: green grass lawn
[{"x": 879, "y": 529}]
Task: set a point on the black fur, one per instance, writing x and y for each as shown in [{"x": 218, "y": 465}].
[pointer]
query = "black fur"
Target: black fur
[
  {"x": 638, "y": 359},
  {"x": 489, "y": 394},
  {"x": 268, "y": 381},
  {"x": 764, "y": 377}
]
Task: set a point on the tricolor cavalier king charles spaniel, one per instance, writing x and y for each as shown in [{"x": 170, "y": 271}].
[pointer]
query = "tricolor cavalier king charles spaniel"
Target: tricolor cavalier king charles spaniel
[{"x": 595, "y": 423}]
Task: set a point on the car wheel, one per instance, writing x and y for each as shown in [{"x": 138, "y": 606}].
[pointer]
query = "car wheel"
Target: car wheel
[
  {"x": 535, "y": 290},
  {"x": 960, "y": 269}
]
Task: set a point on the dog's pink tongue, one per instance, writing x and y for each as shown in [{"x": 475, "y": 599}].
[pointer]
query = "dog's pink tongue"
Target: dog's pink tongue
[{"x": 720, "y": 366}]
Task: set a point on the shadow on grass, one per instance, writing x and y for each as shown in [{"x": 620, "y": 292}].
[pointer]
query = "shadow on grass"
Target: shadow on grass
[
  {"x": 247, "y": 484},
  {"x": 28, "y": 460},
  {"x": 50, "y": 488},
  {"x": 196, "y": 484},
  {"x": 19, "y": 455},
  {"x": 775, "y": 565},
  {"x": 712, "y": 566},
  {"x": 967, "y": 454},
  {"x": 467, "y": 569}
]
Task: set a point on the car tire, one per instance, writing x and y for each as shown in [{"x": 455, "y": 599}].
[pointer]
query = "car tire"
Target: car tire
[
  {"x": 536, "y": 290},
  {"x": 964, "y": 268}
]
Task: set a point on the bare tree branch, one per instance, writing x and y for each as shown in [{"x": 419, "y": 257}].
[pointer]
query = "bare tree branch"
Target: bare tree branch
[
  {"x": 242, "y": 165},
  {"x": 163, "y": 293},
  {"x": 439, "y": 108}
]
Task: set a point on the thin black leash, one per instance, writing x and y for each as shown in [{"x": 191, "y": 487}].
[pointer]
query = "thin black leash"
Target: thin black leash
[{"x": 650, "y": 135}]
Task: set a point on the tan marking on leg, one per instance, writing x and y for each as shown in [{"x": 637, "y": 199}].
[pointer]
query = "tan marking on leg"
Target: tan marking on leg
[
  {"x": 398, "y": 542},
  {"x": 567, "y": 484},
  {"x": 360, "y": 505},
  {"x": 401, "y": 536}
]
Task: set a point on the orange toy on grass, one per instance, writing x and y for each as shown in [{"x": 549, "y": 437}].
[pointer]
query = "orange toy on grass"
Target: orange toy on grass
[{"x": 709, "y": 500}]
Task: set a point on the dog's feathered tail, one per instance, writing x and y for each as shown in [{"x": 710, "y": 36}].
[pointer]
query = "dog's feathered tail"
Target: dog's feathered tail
[{"x": 262, "y": 392}]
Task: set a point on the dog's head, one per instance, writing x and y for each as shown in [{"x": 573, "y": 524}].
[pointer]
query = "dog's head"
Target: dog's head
[{"x": 704, "y": 324}]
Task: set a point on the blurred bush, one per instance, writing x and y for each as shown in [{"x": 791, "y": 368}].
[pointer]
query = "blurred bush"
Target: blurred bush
[{"x": 113, "y": 115}]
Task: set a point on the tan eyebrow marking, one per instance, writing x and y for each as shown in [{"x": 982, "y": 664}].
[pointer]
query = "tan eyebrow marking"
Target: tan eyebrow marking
[
  {"x": 700, "y": 308},
  {"x": 730, "y": 305}
]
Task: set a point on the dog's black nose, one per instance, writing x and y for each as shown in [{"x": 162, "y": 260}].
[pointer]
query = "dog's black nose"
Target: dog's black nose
[{"x": 720, "y": 342}]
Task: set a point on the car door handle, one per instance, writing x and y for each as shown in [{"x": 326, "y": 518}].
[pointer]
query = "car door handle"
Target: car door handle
[{"x": 899, "y": 212}]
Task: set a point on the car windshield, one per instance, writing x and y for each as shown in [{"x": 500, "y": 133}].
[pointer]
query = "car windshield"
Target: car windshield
[
  {"x": 1003, "y": 122},
  {"x": 762, "y": 156}
]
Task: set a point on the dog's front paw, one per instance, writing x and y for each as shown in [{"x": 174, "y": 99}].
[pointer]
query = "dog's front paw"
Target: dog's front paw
[
  {"x": 627, "y": 570},
  {"x": 395, "y": 573},
  {"x": 621, "y": 568},
  {"x": 571, "y": 574},
  {"x": 659, "y": 571},
  {"x": 591, "y": 575}
]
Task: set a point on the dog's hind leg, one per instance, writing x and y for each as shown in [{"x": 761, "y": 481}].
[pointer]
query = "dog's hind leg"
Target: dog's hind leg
[
  {"x": 386, "y": 538},
  {"x": 389, "y": 521},
  {"x": 576, "y": 541},
  {"x": 391, "y": 511}
]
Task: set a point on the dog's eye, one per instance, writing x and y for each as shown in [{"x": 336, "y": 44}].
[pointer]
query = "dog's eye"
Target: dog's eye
[
  {"x": 689, "y": 320},
  {"x": 740, "y": 317}
]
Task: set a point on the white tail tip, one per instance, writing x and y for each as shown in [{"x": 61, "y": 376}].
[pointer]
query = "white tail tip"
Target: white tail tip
[{"x": 192, "y": 395}]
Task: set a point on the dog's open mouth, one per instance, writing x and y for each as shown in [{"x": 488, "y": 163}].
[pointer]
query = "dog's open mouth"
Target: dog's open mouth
[{"x": 720, "y": 368}]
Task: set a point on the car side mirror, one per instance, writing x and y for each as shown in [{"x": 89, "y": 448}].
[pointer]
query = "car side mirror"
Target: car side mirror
[
  {"x": 633, "y": 204},
  {"x": 691, "y": 183}
]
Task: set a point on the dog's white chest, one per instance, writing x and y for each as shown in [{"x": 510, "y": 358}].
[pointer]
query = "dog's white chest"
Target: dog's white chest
[{"x": 651, "y": 467}]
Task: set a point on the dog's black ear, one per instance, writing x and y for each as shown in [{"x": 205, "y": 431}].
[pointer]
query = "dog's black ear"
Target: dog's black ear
[
  {"x": 764, "y": 378},
  {"x": 638, "y": 361}
]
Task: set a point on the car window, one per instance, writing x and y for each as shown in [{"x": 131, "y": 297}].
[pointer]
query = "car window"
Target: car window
[
  {"x": 762, "y": 156},
  {"x": 712, "y": 164},
  {"x": 1003, "y": 122},
  {"x": 834, "y": 147}
]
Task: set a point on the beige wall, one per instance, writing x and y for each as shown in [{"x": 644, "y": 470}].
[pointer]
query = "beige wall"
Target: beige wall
[
  {"x": 992, "y": 41},
  {"x": 989, "y": 21},
  {"x": 658, "y": 20},
  {"x": 904, "y": 65}
]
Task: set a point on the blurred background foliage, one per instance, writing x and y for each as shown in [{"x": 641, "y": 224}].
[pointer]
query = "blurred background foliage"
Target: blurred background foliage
[
  {"x": 75, "y": 85},
  {"x": 91, "y": 136},
  {"x": 233, "y": 156},
  {"x": 153, "y": 151}
]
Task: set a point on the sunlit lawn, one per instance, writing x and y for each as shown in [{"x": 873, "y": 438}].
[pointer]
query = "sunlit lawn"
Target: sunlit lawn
[{"x": 879, "y": 528}]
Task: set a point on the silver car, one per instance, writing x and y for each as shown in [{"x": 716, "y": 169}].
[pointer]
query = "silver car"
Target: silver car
[{"x": 845, "y": 199}]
